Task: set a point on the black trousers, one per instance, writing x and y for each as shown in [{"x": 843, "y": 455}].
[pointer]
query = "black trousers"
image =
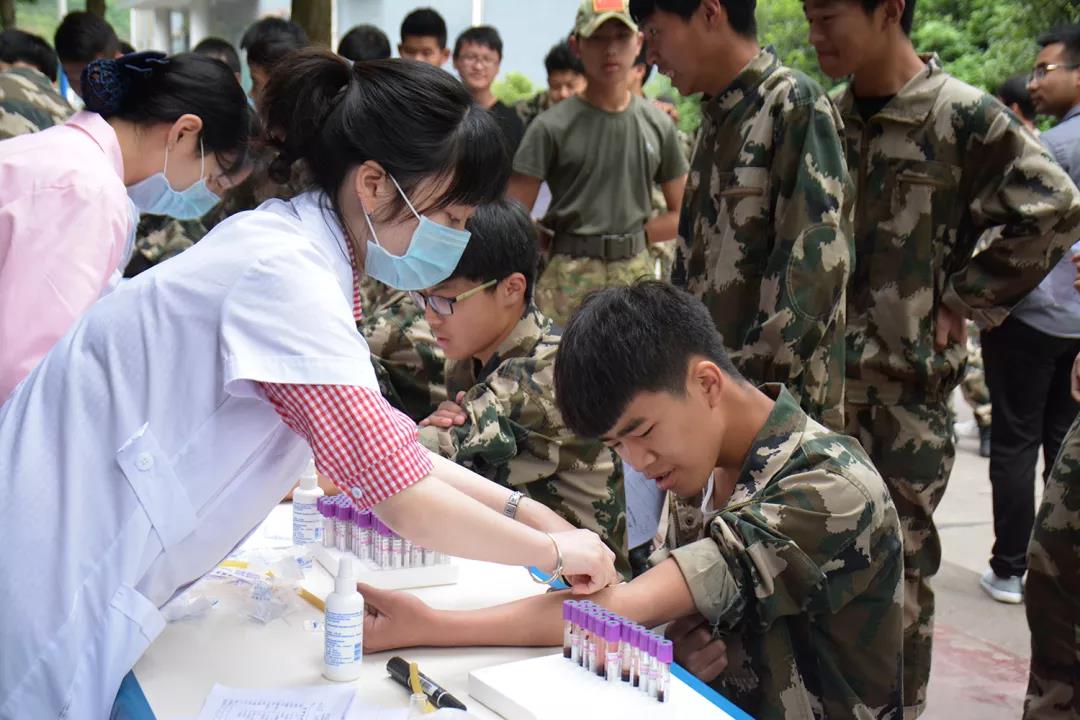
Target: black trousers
[{"x": 1028, "y": 374}]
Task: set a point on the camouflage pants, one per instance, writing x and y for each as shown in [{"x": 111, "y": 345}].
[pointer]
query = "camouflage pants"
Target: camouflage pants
[
  {"x": 973, "y": 386},
  {"x": 912, "y": 448},
  {"x": 567, "y": 280},
  {"x": 1052, "y": 595}
]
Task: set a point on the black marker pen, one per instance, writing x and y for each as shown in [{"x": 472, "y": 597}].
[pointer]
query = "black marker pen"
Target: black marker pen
[{"x": 436, "y": 694}]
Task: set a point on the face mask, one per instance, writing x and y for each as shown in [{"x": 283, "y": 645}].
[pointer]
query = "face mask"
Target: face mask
[
  {"x": 433, "y": 254},
  {"x": 156, "y": 196}
]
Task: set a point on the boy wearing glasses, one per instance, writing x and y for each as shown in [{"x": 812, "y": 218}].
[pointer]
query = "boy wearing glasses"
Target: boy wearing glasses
[
  {"x": 600, "y": 153},
  {"x": 477, "y": 56},
  {"x": 502, "y": 421},
  {"x": 937, "y": 164}
]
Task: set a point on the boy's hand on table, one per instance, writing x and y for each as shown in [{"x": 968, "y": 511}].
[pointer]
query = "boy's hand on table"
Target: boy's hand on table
[
  {"x": 394, "y": 619},
  {"x": 696, "y": 649},
  {"x": 448, "y": 414}
]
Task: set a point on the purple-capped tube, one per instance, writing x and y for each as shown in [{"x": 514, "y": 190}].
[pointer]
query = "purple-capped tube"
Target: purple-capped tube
[
  {"x": 384, "y": 546},
  {"x": 568, "y": 627},
  {"x": 416, "y": 555},
  {"x": 354, "y": 528},
  {"x": 341, "y": 527},
  {"x": 577, "y": 632},
  {"x": 665, "y": 654},
  {"x": 363, "y": 522},
  {"x": 594, "y": 641},
  {"x": 429, "y": 557},
  {"x": 613, "y": 638},
  {"x": 397, "y": 551},
  {"x": 650, "y": 664},
  {"x": 626, "y": 632},
  {"x": 326, "y": 509},
  {"x": 637, "y": 667},
  {"x": 406, "y": 552}
]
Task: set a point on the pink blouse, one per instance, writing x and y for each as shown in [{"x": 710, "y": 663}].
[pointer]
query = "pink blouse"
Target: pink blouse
[{"x": 65, "y": 220}]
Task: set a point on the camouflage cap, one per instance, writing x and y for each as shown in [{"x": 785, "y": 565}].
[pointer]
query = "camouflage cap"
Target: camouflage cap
[{"x": 592, "y": 14}]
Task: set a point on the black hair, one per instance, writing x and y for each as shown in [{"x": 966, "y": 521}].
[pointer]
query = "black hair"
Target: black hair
[
  {"x": 1067, "y": 35},
  {"x": 1014, "y": 92},
  {"x": 627, "y": 340},
  {"x": 561, "y": 58},
  {"x": 126, "y": 48},
  {"x": 740, "y": 12},
  {"x": 415, "y": 120},
  {"x": 149, "y": 87},
  {"x": 364, "y": 42},
  {"x": 18, "y": 46},
  {"x": 270, "y": 40},
  {"x": 83, "y": 36},
  {"x": 483, "y": 35},
  {"x": 424, "y": 22},
  {"x": 643, "y": 59},
  {"x": 906, "y": 19},
  {"x": 503, "y": 242},
  {"x": 223, "y": 50}
]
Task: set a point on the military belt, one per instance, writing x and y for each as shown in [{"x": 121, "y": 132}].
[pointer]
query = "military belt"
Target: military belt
[{"x": 601, "y": 247}]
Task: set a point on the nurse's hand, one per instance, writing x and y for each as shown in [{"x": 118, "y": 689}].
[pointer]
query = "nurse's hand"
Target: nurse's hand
[
  {"x": 394, "y": 619},
  {"x": 588, "y": 564}
]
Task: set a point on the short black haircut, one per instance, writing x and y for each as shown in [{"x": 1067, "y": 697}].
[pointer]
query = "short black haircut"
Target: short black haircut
[
  {"x": 561, "y": 58},
  {"x": 484, "y": 35},
  {"x": 126, "y": 48},
  {"x": 18, "y": 46},
  {"x": 364, "y": 42},
  {"x": 223, "y": 50},
  {"x": 1014, "y": 92},
  {"x": 503, "y": 242},
  {"x": 270, "y": 40},
  {"x": 740, "y": 12},
  {"x": 643, "y": 59},
  {"x": 1067, "y": 35},
  {"x": 424, "y": 22},
  {"x": 626, "y": 340},
  {"x": 906, "y": 19},
  {"x": 83, "y": 36}
]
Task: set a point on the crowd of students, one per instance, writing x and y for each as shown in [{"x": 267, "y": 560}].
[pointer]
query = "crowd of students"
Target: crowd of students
[{"x": 767, "y": 320}]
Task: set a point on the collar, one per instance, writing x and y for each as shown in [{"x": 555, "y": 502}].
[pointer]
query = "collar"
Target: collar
[
  {"x": 32, "y": 74},
  {"x": 521, "y": 342},
  {"x": 912, "y": 105},
  {"x": 103, "y": 135},
  {"x": 764, "y": 64},
  {"x": 774, "y": 445},
  {"x": 1074, "y": 112}
]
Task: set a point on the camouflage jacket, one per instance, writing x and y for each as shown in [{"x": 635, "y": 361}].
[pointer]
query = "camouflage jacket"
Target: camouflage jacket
[
  {"x": 158, "y": 238},
  {"x": 257, "y": 188},
  {"x": 516, "y": 436},
  {"x": 937, "y": 168},
  {"x": 801, "y": 574},
  {"x": 528, "y": 109},
  {"x": 29, "y": 103},
  {"x": 764, "y": 232},
  {"x": 408, "y": 363}
]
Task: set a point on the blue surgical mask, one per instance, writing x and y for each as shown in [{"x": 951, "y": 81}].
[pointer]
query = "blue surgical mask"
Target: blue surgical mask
[
  {"x": 156, "y": 196},
  {"x": 433, "y": 253}
]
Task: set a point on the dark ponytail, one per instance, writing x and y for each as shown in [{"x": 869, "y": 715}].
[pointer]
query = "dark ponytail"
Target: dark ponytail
[
  {"x": 415, "y": 120},
  {"x": 148, "y": 87}
]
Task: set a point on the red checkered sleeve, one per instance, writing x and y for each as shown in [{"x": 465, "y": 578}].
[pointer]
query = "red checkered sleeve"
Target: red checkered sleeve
[{"x": 360, "y": 443}]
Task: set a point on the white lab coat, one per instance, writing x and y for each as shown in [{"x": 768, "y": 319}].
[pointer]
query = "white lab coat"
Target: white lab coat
[{"x": 140, "y": 452}]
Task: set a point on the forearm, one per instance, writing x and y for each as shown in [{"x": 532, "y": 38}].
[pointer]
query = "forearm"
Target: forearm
[
  {"x": 659, "y": 596},
  {"x": 662, "y": 227},
  {"x": 494, "y": 496},
  {"x": 435, "y": 515}
]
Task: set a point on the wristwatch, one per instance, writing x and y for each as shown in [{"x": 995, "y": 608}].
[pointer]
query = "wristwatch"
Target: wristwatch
[{"x": 512, "y": 503}]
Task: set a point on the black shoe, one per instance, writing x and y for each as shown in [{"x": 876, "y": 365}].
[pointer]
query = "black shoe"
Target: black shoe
[{"x": 984, "y": 441}]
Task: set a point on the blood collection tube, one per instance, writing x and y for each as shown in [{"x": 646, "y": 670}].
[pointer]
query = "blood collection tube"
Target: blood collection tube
[
  {"x": 406, "y": 553},
  {"x": 577, "y": 634},
  {"x": 364, "y": 523},
  {"x": 326, "y": 509},
  {"x": 354, "y": 528},
  {"x": 341, "y": 527},
  {"x": 613, "y": 638},
  {"x": 650, "y": 660},
  {"x": 416, "y": 556},
  {"x": 665, "y": 653},
  {"x": 384, "y": 545},
  {"x": 626, "y": 629},
  {"x": 590, "y": 622},
  {"x": 635, "y": 656},
  {"x": 600, "y": 630},
  {"x": 568, "y": 627},
  {"x": 397, "y": 550}
]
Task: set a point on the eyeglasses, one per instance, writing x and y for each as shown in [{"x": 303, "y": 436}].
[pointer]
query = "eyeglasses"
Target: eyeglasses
[
  {"x": 479, "y": 60},
  {"x": 1042, "y": 71},
  {"x": 443, "y": 305}
]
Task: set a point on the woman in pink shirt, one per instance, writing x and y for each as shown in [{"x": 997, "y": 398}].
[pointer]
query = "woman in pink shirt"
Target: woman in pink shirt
[{"x": 156, "y": 135}]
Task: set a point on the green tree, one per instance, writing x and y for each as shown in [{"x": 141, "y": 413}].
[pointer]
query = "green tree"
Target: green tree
[{"x": 513, "y": 87}]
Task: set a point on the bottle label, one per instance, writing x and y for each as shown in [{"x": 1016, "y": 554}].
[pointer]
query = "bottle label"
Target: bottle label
[
  {"x": 344, "y": 638},
  {"x": 307, "y": 523}
]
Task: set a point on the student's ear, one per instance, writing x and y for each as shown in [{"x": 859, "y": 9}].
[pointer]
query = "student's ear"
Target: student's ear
[
  {"x": 894, "y": 10},
  {"x": 575, "y": 47},
  {"x": 445, "y": 55},
  {"x": 713, "y": 12},
  {"x": 709, "y": 379},
  {"x": 512, "y": 288}
]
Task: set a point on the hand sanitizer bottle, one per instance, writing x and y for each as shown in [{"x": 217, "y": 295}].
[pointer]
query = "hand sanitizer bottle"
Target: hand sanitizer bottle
[
  {"x": 344, "y": 626},
  {"x": 307, "y": 522}
]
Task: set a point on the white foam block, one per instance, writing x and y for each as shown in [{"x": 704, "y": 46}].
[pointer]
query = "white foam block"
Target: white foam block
[
  {"x": 400, "y": 579},
  {"x": 553, "y": 688}
]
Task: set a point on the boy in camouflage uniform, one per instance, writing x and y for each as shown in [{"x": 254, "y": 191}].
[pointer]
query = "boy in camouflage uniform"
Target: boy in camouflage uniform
[
  {"x": 28, "y": 100},
  {"x": 565, "y": 78},
  {"x": 599, "y": 152},
  {"x": 937, "y": 164},
  {"x": 1052, "y": 594},
  {"x": 502, "y": 422},
  {"x": 765, "y": 225},
  {"x": 797, "y": 570}
]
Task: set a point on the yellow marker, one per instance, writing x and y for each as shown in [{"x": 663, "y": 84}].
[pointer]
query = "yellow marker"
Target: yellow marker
[
  {"x": 414, "y": 682},
  {"x": 238, "y": 564},
  {"x": 312, "y": 598}
]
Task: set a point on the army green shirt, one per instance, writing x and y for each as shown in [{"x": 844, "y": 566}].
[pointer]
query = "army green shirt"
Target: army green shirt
[
  {"x": 765, "y": 233},
  {"x": 408, "y": 362},
  {"x": 801, "y": 574},
  {"x": 29, "y": 103},
  {"x": 578, "y": 149},
  {"x": 937, "y": 168},
  {"x": 516, "y": 437}
]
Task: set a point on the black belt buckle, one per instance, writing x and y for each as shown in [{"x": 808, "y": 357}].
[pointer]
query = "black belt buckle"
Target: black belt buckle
[{"x": 617, "y": 247}]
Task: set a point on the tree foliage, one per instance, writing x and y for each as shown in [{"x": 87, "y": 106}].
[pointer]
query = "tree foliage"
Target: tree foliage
[{"x": 513, "y": 87}]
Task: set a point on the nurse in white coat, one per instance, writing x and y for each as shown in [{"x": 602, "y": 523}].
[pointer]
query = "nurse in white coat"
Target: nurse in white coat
[{"x": 176, "y": 412}]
